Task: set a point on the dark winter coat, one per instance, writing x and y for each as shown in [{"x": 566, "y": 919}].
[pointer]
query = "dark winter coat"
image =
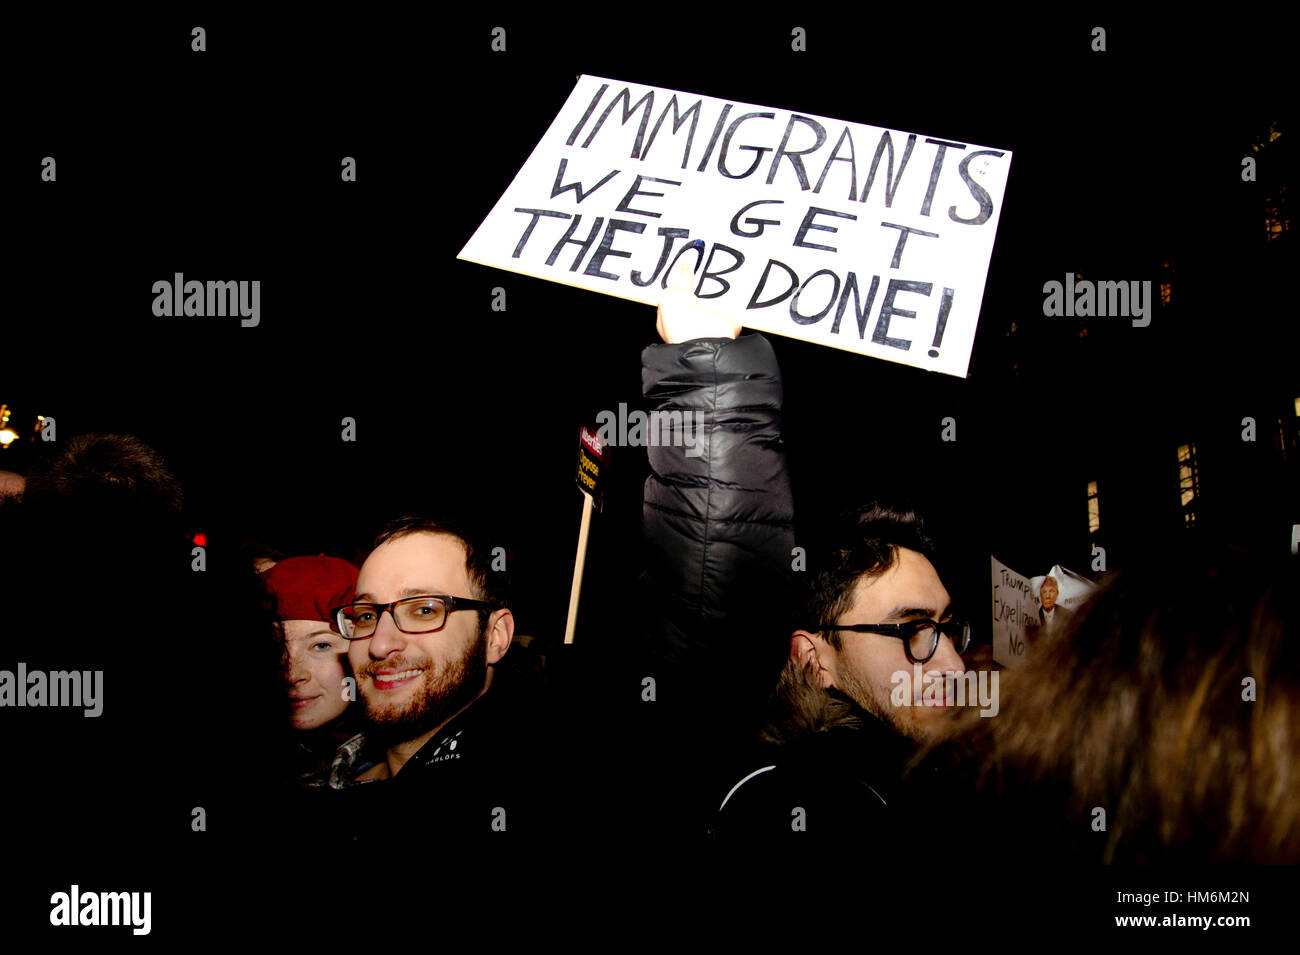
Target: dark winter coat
[{"x": 827, "y": 772}]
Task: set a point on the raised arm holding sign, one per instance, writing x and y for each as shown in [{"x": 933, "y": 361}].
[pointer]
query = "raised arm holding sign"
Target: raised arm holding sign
[{"x": 682, "y": 317}]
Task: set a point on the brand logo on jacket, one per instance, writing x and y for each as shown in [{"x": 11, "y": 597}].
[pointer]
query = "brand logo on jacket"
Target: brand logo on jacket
[{"x": 447, "y": 747}]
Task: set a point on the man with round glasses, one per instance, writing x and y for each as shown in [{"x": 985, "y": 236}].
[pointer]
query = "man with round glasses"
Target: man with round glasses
[
  {"x": 867, "y": 679},
  {"x": 894, "y": 619}
]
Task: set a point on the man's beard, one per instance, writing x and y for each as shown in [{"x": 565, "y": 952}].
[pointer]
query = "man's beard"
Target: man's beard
[
  {"x": 440, "y": 695},
  {"x": 917, "y": 722}
]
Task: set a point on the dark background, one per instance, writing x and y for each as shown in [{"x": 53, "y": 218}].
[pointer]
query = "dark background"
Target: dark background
[{"x": 225, "y": 165}]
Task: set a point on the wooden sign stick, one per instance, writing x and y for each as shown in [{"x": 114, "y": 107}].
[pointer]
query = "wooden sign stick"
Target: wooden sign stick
[{"x": 579, "y": 563}]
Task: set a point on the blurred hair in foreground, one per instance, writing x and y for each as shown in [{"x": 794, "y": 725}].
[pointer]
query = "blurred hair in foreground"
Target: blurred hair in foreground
[{"x": 1145, "y": 709}]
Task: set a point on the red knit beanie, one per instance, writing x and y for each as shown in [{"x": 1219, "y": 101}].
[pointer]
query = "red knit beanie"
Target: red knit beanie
[{"x": 308, "y": 588}]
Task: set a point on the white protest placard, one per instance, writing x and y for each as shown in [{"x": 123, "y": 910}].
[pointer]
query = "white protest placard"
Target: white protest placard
[
  {"x": 862, "y": 238},
  {"x": 1015, "y": 613}
]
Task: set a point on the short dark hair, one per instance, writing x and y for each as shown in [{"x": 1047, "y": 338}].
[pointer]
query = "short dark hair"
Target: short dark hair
[
  {"x": 106, "y": 470},
  {"x": 862, "y": 542},
  {"x": 489, "y": 585}
]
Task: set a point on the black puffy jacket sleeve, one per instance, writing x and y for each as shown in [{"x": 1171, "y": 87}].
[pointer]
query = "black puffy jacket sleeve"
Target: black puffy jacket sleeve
[{"x": 718, "y": 521}]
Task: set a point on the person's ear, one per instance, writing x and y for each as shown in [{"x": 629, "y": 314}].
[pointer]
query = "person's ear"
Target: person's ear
[
  {"x": 810, "y": 651},
  {"x": 500, "y": 631}
]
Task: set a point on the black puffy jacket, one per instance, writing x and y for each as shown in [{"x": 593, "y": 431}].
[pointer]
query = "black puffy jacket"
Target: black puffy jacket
[
  {"x": 716, "y": 587},
  {"x": 718, "y": 524}
]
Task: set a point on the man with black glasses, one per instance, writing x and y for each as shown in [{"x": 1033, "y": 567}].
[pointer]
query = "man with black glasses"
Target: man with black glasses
[
  {"x": 869, "y": 676},
  {"x": 419, "y": 660},
  {"x": 428, "y": 632},
  {"x": 485, "y": 750}
]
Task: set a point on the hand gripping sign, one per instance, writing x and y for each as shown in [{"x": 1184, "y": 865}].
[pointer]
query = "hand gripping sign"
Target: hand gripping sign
[{"x": 868, "y": 239}]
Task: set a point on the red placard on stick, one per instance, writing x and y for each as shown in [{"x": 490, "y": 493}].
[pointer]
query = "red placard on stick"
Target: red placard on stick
[{"x": 593, "y": 460}]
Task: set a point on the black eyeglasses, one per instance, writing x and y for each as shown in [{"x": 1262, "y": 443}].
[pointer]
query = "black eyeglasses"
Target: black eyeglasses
[
  {"x": 426, "y": 614},
  {"x": 920, "y": 637}
]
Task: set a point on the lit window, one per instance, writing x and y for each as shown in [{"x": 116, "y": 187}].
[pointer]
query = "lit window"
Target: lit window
[
  {"x": 1094, "y": 508},
  {"x": 1167, "y": 283},
  {"x": 1188, "y": 483},
  {"x": 1277, "y": 220}
]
